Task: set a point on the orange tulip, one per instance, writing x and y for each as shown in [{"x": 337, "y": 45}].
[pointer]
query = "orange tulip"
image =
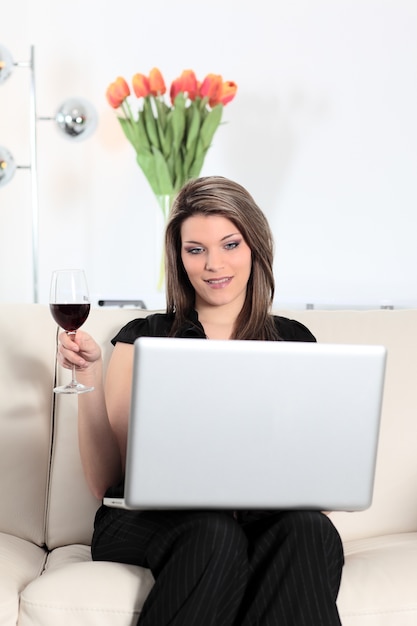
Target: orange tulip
[
  {"x": 117, "y": 92},
  {"x": 211, "y": 88},
  {"x": 140, "y": 84},
  {"x": 228, "y": 92},
  {"x": 156, "y": 82},
  {"x": 114, "y": 102}
]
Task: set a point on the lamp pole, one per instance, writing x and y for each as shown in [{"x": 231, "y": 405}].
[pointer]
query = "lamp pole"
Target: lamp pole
[
  {"x": 33, "y": 166},
  {"x": 34, "y": 178}
]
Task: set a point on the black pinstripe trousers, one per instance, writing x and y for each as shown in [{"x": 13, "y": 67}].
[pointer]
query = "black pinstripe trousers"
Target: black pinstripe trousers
[{"x": 279, "y": 569}]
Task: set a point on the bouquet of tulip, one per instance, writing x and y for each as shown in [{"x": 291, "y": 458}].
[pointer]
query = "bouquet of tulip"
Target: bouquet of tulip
[{"x": 171, "y": 139}]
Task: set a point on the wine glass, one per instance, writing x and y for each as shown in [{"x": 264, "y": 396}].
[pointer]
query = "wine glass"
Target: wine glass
[{"x": 70, "y": 305}]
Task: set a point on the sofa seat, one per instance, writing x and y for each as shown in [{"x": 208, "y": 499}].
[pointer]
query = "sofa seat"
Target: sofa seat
[
  {"x": 20, "y": 562},
  {"x": 389, "y": 566},
  {"x": 74, "y": 590}
]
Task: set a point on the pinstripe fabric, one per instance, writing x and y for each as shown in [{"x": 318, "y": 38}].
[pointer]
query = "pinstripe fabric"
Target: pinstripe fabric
[{"x": 280, "y": 569}]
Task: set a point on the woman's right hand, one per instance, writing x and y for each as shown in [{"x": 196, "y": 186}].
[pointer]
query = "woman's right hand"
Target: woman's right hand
[{"x": 79, "y": 349}]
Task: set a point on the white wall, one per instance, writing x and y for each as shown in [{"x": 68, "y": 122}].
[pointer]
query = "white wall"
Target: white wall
[{"x": 323, "y": 133}]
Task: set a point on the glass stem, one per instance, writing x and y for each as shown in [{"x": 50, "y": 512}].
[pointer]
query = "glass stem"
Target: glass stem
[{"x": 74, "y": 381}]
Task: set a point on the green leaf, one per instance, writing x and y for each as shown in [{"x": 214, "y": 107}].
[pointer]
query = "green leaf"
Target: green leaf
[
  {"x": 193, "y": 132},
  {"x": 176, "y": 121},
  {"x": 193, "y": 129},
  {"x": 163, "y": 175},
  {"x": 179, "y": 174},
  {"x": 155, "y": 168},
  {"x": 162, "y": 110},
  {"x": 208, "y": 128},
  {"x": 163, "y": 130},
  {"x": 129, "y": 131},
  {"x": 150, "y": 123},
  {"x": 146, "y": 162},
  {"x": 164, "y": 142},
  {"x": 188, "y": 158},
  {"x": 169, "y": 138},
  {"x": 197, "y": 165},
  {"x": 210, "y": 125},
  {"x": 142, "y": 139}
]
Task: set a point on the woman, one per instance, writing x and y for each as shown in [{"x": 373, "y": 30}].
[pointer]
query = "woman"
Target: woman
[{"x": 211, "y": 568}]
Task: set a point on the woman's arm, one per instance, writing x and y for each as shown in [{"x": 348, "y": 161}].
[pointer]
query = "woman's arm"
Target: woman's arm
[{"x": 103, "y": 413}]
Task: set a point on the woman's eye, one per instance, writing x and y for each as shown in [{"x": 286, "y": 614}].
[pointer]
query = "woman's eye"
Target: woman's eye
[
  {"x": 194, "y": 250},
  {"x": 231, "y": 245}
]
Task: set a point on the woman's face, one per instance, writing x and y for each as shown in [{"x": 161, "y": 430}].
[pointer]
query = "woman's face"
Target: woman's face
[{"x": 217, "y": 260}]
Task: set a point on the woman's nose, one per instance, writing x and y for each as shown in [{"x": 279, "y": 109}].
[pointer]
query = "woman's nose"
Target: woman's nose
[{"x": 213, "y": 262}]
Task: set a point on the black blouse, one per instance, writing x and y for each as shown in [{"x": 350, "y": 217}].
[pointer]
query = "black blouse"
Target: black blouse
[{"x": 159, "y": 325}]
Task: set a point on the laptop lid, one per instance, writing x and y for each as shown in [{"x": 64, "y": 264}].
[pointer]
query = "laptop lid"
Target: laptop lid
[{"x": 253, "y": 424}]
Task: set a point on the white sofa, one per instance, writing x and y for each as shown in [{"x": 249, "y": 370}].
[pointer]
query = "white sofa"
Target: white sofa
[{"x": 47, "y": 577}]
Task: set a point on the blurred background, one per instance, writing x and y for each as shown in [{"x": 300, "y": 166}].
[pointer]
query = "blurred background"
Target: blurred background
[{"x": 322, "y": 132}]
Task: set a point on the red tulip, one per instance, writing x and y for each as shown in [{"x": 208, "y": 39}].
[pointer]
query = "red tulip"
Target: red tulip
[
  {"x": 211, "y": 88},
  {"x": 140, "y": 84},
  {"x": 186, "y": 83},
  {"x": 175, "y": 89},
  {"x": 156, "y": 83},
  {"x": 117, "y": 92}
]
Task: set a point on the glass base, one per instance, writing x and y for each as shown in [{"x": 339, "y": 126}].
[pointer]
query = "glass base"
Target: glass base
[{"x": 73, "y": 388}]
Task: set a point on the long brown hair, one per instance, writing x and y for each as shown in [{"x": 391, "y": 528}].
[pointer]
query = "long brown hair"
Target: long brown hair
[{"x": 216, "y": 195}]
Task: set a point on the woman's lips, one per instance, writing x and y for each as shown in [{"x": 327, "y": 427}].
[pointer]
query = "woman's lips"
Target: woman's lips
[{"x": 218, "y": 283}]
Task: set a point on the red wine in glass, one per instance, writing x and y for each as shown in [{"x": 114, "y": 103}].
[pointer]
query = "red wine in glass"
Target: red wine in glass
[
  {"x": 70, "y": 306},
  {"x": 70, "y": 316}
]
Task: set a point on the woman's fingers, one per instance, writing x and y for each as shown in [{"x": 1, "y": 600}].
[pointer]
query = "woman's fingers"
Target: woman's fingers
[{"x": 78, "y": 349}]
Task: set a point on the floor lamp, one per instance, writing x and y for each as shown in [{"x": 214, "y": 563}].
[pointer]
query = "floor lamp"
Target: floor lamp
[{"x": 76, "y": 118}]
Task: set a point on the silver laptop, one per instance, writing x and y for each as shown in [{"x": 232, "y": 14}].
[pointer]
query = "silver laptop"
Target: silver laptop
[{"x": 252, "y": 425}]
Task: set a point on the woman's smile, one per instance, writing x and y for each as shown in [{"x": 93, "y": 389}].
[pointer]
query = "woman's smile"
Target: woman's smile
[{"x": 219, "y": 283}]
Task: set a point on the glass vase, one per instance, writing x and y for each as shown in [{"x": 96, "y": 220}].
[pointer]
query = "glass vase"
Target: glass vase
[{"x": 165, "y": 203}]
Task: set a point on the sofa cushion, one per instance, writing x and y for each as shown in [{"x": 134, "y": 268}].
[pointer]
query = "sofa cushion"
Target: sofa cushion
[
  {"x": 379, "y": 582},
  {"x": 26, "y": 381},
  {"x": 75, "y": 590},
  {"x": 20, "y": 563}
]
